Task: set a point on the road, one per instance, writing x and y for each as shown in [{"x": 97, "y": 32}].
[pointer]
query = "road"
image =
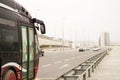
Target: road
[{"x": 55, "y": 64}]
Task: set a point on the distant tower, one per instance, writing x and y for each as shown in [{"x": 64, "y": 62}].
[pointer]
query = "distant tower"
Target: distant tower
[{"x": 104, "y": 39}]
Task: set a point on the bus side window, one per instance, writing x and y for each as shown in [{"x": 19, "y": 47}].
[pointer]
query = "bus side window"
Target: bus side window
[{"x": 8, "y": 40}]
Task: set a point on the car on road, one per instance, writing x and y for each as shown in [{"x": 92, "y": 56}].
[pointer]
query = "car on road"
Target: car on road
[
  {"x": 41, "y": 52},
  {"x": 81, "y": 50},
  {"x": 87, "y": 49},
  {"x": 96, "y": 49}
]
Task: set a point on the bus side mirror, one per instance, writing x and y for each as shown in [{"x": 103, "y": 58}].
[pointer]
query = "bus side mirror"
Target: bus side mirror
[
  {"x": 42, "y": 28},
  {"x": 39, "y": 25}
]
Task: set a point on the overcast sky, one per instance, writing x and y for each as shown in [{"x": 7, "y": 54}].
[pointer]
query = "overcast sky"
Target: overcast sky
[{"x": 77, "y": 19}]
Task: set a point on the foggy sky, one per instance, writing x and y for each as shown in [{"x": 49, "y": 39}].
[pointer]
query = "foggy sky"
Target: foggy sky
[{"x": 77, "y": 19}]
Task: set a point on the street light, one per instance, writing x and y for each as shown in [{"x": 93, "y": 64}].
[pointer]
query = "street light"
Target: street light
[{"x": 63, "y": 32}]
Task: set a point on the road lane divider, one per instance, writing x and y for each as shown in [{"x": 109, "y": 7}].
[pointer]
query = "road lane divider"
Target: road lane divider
[
  {"x": 46, "y": 65},
  {"x": 64, "y": 66},
  {"x": 57, "y": 62}
]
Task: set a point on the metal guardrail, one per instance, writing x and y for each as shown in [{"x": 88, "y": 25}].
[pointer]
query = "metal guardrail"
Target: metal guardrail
[{"x": 84, "y": 70}]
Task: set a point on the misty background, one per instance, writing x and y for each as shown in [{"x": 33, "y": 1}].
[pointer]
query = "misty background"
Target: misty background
[{"x": 77, "y": 19}]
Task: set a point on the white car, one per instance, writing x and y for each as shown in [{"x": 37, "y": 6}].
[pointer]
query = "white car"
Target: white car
[{"x": 96, "y": 49}]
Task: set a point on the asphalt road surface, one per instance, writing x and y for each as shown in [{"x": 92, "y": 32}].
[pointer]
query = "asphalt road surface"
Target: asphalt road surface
[{"x": 55, "y": 64}]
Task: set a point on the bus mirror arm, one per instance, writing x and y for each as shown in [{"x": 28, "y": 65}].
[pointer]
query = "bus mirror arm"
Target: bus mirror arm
[
  {"x": 42, "y": 25},
  {"x": 37, "y": 21}
]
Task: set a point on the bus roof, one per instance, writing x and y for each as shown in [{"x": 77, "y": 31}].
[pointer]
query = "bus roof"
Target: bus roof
[{"x": 14, "y": 6}]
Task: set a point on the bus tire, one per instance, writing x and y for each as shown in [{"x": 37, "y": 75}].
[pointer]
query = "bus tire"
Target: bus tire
[{"x": 9, "y": 75}]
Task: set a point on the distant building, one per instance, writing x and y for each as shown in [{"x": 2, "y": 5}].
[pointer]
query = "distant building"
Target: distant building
[
  {"x": 50, "y": 41},
  {"x": 104, "y": 39}
]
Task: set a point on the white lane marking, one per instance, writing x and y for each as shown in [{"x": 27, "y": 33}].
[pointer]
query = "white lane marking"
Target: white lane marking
[
  {"x": 46, "y": 65},
  {"x": 66, "y": 59},
  {"x": 57, "y": 62},
  {"x": 63, "y": 66}
]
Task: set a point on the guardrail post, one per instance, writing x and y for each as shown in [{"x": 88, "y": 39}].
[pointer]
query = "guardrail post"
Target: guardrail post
[
  {"x": 84, "y": 77},
  {"x": 95, "y": 65},
  {"x": 89, "y": 73},
  {"x": 92, "y": 68}
]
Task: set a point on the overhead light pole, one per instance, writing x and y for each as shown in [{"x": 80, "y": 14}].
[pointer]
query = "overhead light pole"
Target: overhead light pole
[{"x": 63, "y": 33}]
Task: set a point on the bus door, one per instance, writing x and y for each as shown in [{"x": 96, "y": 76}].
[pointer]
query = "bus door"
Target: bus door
[{"x": 27, "y": 34}]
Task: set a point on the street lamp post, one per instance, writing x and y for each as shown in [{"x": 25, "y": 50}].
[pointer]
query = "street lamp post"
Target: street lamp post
[{"x": 63, "y": 33}]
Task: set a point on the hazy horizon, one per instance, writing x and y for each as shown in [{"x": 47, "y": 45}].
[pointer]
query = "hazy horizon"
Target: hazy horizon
[{"x": 77, "y": 19}]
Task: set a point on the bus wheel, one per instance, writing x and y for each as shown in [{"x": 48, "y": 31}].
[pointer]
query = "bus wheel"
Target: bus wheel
[{"x": 9, "y": 75}]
